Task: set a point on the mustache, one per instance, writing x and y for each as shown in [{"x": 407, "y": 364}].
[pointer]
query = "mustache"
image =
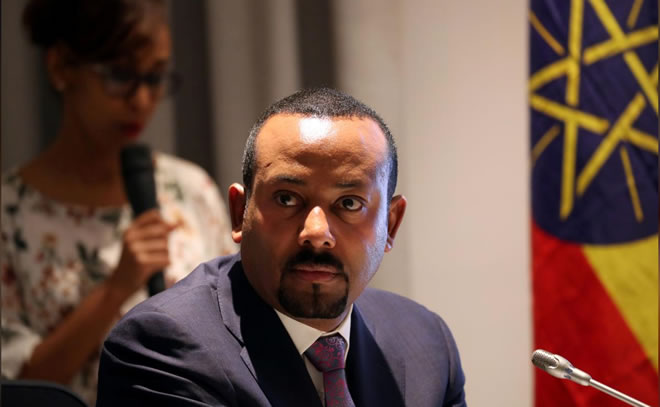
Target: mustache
[{"x": 309, "y": 257}]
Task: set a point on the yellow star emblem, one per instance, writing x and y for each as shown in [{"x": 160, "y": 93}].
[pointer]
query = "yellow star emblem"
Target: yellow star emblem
[{"x": 618, "y": 134}]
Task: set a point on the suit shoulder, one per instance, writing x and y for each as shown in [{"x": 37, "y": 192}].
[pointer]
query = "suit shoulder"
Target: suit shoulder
[
  {"x": 381, "y": 301},
  {"x": 199, "y": 286},
  {"x": 186, "y": 313},
  {"x": 386, "y": 309},
  {"x": 420, "y": 336}
]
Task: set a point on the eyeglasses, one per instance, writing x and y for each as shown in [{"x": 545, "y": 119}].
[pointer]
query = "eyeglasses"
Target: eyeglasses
[{"x": 120, "y": 82}]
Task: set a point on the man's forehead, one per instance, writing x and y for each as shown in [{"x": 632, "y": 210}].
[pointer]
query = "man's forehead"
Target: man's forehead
[{"x": 325, "y": 134}]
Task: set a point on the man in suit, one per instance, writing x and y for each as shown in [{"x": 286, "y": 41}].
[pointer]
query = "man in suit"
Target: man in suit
[{"x": 289, "y": 320}]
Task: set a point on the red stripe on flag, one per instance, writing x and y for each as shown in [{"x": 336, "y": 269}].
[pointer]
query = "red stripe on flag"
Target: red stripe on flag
[{"x": 575, "y": 317}]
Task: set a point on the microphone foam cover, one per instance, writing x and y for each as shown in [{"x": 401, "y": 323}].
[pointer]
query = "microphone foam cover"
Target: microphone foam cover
[{"x": 137, "y": 171}]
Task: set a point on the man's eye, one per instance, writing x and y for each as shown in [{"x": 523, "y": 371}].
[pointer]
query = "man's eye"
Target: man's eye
[
  {"x": 351, "y": 204},
  {"x": 285, "y": 199}
]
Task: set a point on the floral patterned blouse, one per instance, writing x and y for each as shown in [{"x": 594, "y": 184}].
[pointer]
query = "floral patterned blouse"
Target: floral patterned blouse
[{"x": 54, "y": 254}]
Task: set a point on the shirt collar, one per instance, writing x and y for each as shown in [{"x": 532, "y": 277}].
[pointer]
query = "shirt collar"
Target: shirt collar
[{"x": 303, "y": 336}]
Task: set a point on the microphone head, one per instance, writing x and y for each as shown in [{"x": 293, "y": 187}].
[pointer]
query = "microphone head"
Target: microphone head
[
  {"x": 559, "y": 367},
  {"x": 135, "y": 158},
  {"x": 544, "y": 359},
  {"x": 137, "y": 171}
]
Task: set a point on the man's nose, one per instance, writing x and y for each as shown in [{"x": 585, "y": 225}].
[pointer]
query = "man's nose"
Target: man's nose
[{"x": 316, "y": 231}]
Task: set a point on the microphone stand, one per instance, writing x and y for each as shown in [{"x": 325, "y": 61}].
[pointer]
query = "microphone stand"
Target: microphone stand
[
  {"x": 559, "y": 367},
  {"x": 616, "y": 394}
]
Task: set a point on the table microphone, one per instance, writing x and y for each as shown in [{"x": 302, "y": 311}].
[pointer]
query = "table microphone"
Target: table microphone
[
  {"x": 561, "y": 368},
  {"x": 137, "y": 170}
]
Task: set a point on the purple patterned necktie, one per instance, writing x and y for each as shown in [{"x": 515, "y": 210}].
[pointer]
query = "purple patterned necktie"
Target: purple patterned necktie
[{"x": 327, "y": 356}]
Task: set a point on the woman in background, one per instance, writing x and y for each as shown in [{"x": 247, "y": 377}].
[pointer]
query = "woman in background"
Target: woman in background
[{"x": 73, "y": 259}]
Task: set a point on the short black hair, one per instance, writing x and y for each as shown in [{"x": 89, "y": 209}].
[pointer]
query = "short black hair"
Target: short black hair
[
  {"x": 318, "y": 102},
  {"x": 95, "y": 31}
]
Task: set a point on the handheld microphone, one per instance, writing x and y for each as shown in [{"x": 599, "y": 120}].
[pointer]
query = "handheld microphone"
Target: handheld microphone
[
  {"x": 561, "y": 368},
  {"x": 137, "y": 170}
]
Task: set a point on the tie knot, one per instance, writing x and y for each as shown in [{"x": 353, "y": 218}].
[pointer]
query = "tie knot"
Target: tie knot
[{"x": 327, "y": 353}]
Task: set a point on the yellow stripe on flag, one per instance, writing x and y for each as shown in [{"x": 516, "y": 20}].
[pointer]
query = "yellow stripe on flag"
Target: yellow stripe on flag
[
  {"x": 545, "y": 34},
  {"x": 629, "y": 273},
  {"x": 634, "y": 13}
]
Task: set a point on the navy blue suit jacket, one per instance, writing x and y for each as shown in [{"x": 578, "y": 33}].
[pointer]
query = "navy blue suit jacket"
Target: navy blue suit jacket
[{"x": 212, "y": 341}]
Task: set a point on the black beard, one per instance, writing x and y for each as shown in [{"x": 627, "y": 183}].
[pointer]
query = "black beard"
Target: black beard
[{"x": 318, "y": 305}]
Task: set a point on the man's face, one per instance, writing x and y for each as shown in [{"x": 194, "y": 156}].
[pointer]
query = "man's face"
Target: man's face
[{"x": 316, "y": 224}]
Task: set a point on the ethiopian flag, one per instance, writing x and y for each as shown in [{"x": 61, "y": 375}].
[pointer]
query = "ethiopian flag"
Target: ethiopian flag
[{"x": 593, "y": 94}]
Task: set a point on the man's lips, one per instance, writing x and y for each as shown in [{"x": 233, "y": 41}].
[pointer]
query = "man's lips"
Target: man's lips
[{"x": 315, "y": 273}]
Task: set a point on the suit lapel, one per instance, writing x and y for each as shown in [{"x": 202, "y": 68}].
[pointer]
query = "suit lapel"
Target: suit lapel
[
  {"x": 373, "y": 379},
  {"x": 268, "y": 351}
]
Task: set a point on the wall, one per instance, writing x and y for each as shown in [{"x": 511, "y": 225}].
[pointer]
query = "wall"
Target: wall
[
  {"x": 449, "y": 77},
  {"x": 466, "y": 131}
]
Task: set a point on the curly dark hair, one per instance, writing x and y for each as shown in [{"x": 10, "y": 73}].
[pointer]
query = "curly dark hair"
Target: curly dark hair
[{"x": 93, "y": 30}]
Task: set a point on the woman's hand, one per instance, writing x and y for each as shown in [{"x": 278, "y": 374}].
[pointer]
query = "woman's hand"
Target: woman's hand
[{"x": 144, "y": 252}]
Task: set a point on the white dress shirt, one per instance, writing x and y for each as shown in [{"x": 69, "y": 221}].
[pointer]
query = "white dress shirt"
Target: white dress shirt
[{"x": 304, "y": 336}]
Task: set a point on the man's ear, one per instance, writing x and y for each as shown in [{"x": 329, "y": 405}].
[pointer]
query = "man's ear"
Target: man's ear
[
  {"x": 394, "y": 217},
  {"x": 237, "y": 210}
]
